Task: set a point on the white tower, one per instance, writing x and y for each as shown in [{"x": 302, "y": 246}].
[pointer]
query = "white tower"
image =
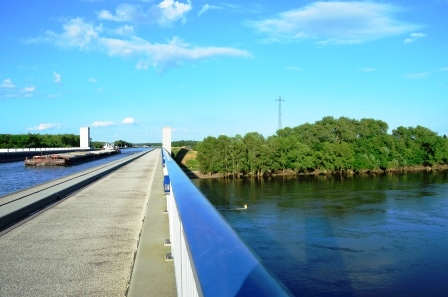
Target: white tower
[
  {"x": 84, "y": 137},
  {"x": 166, "y": 139}
]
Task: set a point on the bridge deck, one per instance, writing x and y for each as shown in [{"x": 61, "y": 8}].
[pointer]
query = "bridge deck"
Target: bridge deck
[{"x": 85, "y": 245}]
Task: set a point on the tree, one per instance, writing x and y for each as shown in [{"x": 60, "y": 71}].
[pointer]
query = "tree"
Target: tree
[
  {"x": 207, "y": 156},
  {"x": 253, "y": 142}
]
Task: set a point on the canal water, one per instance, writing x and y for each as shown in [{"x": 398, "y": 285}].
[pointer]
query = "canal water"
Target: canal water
[
  {"x": 15, "y": 176},
  {"x": 383, "y": 235}
]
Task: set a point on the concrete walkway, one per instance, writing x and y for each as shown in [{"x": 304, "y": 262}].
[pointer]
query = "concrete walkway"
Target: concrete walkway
[
  {"x": 85, "y": 246},
  {"x": 156, "y": 278}
]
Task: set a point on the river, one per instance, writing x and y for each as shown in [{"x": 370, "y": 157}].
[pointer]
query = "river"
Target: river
[
  {"x": 383, "y": 235},
  {"x": 15, "y": 176}
]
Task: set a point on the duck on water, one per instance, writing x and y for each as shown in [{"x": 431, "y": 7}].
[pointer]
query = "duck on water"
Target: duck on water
[{"x": 232, "y": 208}]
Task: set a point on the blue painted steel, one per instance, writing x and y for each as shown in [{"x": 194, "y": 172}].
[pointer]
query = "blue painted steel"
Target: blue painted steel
[
  {"x": 166, "y": 183},
  {"x": 223, "y": 264}
]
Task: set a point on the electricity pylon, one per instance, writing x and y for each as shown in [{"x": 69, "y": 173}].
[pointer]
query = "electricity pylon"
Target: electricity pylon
[{"x": 279, "y": 112}]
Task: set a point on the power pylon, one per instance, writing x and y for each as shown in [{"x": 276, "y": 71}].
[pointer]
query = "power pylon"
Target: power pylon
[{"x": 279, "y": 112}]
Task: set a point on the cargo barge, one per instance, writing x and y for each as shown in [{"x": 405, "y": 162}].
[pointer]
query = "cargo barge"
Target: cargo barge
[{"x": 68, "y": 159}]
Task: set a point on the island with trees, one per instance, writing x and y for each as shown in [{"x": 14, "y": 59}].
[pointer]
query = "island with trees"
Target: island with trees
[{"x": 328, "y": 146}]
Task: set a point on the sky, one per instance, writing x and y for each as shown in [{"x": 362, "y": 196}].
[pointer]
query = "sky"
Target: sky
[{"x": 206, "y": 68}]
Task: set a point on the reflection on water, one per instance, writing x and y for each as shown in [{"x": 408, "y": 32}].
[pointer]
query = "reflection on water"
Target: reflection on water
[{"x": 344, "y": 236}]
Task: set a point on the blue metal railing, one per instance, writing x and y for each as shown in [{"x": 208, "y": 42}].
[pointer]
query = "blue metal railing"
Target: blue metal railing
[{"x": 209, "y": 257}]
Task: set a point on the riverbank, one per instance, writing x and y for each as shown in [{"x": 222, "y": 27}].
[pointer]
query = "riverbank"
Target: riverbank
[
  {"x": 187, "y": 160},
  {"x": 405, "y": 169}
]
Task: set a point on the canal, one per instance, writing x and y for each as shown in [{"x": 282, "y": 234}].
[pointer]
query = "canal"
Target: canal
[
  {"x": 382, "y": 235},
  {"x": 15, "y": 176}
]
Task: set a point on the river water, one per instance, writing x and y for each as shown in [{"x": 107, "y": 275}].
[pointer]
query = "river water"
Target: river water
[
  {"x": 15, "y": 176},
  {"x": 384, "y": 235}
]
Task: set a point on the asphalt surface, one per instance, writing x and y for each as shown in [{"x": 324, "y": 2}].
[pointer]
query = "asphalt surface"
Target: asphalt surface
[{"x": 86, "y": 245}]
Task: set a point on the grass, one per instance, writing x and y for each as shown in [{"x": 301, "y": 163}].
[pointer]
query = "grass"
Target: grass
[{"x": 188, "y": 158}]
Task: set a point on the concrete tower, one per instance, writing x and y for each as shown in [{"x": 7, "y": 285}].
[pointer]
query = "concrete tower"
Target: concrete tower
[
  {"x": 84, "y": 137},
  {"x": 166, "y": 139}
]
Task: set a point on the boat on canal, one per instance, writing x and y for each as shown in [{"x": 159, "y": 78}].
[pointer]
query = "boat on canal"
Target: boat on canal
[{"x": 71, "y": 158}]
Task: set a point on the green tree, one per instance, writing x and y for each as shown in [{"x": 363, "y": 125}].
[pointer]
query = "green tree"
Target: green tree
[{"x": 253, "y": 142}]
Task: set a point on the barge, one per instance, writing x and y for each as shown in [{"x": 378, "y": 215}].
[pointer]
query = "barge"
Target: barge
[{"x": 68, "y": 159}]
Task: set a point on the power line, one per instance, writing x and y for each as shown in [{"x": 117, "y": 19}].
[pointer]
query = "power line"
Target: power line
[{"x": 279, "y": 112}]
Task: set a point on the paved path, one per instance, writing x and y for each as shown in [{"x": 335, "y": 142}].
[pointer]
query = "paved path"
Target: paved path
[
  {"x": 156, "y": 279},
  {"x": 85, "y": 246}
]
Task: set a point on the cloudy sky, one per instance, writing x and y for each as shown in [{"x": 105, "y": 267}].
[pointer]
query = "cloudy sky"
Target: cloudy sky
[{"x": 205, "y": 68}]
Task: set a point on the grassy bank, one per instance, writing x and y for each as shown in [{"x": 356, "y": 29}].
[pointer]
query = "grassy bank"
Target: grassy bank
[{"x": 185, "y": 158}]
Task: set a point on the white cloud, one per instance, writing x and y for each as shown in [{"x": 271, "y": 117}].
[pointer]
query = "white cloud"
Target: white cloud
[
  {"x": 164, "y": 13},
  {"x": 11, "y": 91},
  {"x": 83, "y": 36},
  {"x": 142, "y": 65},
  {"x": 417, "y": 75},
  {"x": 45, "y": 126},
  {"x": 76, "y": 33},
  {"x": 128, "y": 121},
  {"x": 207, "y": 7},
  {"x": 175, "y": 52},
  {"x": 7, "y": 83},
  {"x": 29, "y": 89},
  {"x": 57, "y": 78},
  {"x": 124, "y": 13},
  {"x": 444, "y": 69},
  {"x": 334, "y": 23},
  {"x": 125, "y": 30},
  {"x": 413, "y": 37},
  {"x": 173, "y": 11},
  {"x": 102, "y": 124},
  {"x": 295, "y": 68},
  {"x": 92, "y": 80}
]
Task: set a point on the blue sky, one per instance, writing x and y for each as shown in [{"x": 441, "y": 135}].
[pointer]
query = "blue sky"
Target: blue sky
[{"x": 205, "y": 68}]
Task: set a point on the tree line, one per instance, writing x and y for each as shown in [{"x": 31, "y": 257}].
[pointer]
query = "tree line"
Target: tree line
[
  {"x": 190, "y": 144},
  {"x": 49, "y": 140},
  {"x": 327, "y": 146},
  {"x": 38, "y": 140}
]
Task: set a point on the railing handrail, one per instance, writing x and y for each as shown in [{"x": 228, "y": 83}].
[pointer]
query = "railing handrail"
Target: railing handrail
[{"x": 222, "y": 264}]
